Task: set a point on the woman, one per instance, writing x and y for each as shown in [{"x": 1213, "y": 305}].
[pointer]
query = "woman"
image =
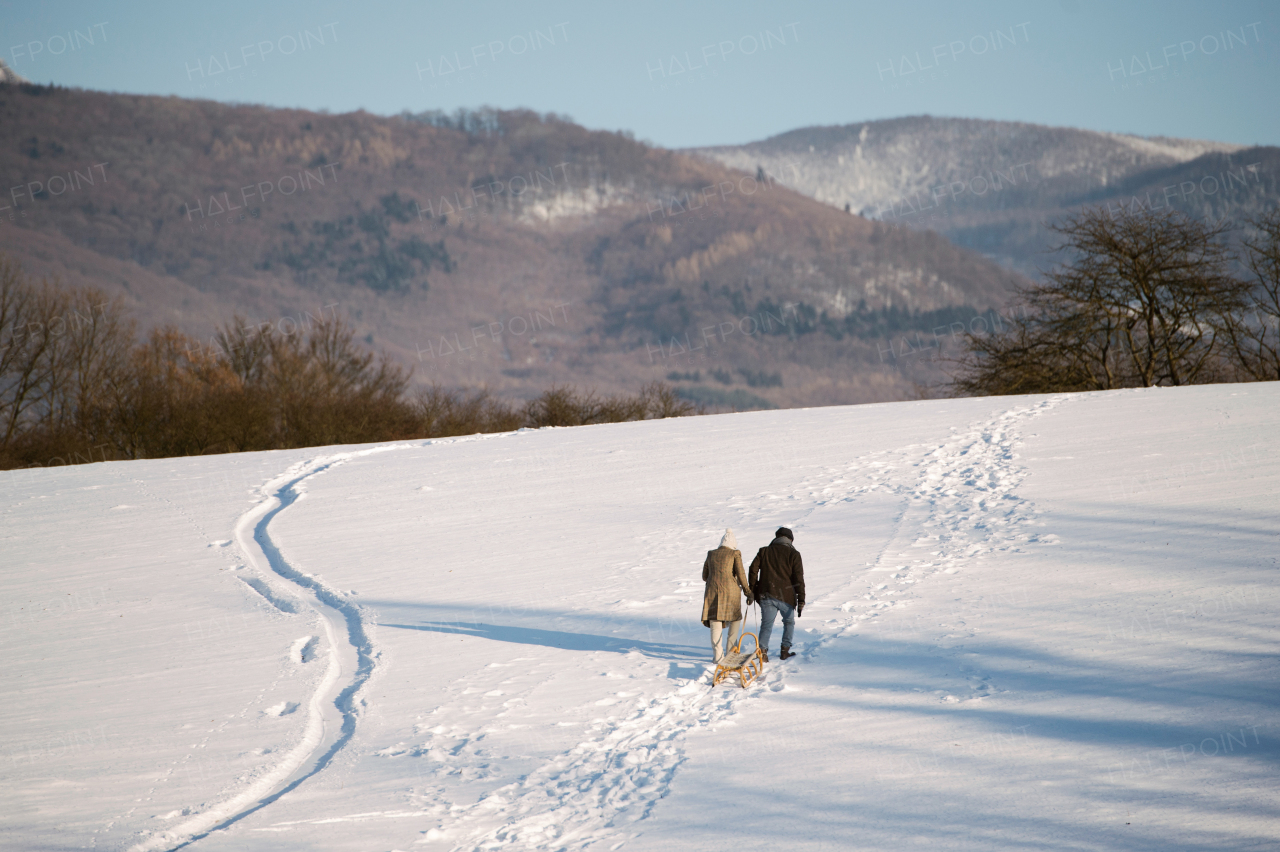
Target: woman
[{"x": 721, "y": 604}]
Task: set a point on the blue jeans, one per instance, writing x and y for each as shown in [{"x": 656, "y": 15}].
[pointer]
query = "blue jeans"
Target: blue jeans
[{"x": 770, "y": 607}]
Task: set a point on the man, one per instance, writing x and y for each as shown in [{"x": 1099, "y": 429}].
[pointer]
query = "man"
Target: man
[{"x": 777, "y": 584}]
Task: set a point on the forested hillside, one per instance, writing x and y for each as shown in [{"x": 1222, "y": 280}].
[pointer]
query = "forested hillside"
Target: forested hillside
[{"x": 505, "y": 249}]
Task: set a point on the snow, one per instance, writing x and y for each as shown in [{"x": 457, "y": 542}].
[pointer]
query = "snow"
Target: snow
[{"x": 1033, "y": 623}]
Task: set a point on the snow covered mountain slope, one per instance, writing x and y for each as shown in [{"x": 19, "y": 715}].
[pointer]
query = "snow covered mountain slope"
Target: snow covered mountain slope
[
  {"x": 1033, "y": 622},
  {"x": 8, "y": 75},
  {"x": 992, "y": 186},
  {"x": 875, "y": 164}
]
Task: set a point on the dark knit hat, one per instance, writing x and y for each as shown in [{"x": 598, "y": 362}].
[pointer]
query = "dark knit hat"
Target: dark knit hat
[{"x": 783, "y": 531}]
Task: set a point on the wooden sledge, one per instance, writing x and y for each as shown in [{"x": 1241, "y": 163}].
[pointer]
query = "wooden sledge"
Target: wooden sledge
[{"x": 748, "y": 666}]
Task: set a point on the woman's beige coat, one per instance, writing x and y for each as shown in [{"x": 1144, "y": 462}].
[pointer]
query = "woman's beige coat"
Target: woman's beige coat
[{"x": 726, "y": 581}]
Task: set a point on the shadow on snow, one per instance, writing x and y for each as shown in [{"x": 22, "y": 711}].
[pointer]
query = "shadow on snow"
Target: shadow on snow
[{"x": 557, "y": 639}]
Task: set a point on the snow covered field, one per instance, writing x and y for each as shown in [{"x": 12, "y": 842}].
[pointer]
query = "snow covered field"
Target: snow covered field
[{"x": 1034, "y": 623}]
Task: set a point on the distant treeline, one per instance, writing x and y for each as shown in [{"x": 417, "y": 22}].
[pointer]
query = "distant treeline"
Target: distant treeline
[
  {"x": 485, "y": 121},
  {"x": 360, "y": 250},
  {"x": 795, "y": 319},
  {"x": 76, "y": 386}
]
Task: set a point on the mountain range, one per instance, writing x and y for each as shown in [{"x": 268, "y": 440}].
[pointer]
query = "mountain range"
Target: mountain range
[
  {"x": 505, "y": 249},
  {"x": 993, "y": 186},
  {"x": 516, "y": 251}
]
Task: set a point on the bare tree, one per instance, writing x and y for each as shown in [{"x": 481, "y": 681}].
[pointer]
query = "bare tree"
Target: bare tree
[
  {"x": 1254, "y": 333},
  {"x": 59, "y": 352},
  {"x": 93, "y": 356},
  {"x": 28, "y": 349},
  {"x": 326, "y": 389},
  {"x": 660, "y": 401},
  {"x": 246, "y": 348},
  {"x": 1026, "y": 359},
  {"x": 443, "y": 412},
  {"x": 1141, "y": 301}
]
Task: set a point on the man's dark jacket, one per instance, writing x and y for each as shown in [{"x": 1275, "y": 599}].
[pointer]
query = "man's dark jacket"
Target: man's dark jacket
[{"x": 778, "y": 572}]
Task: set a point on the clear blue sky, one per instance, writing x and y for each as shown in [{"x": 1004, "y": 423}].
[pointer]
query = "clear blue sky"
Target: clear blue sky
[{"x": 687, "y": 73}]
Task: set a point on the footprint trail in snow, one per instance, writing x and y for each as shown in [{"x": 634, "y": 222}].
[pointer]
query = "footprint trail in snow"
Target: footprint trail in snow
[{"x": 960, "y": 506}]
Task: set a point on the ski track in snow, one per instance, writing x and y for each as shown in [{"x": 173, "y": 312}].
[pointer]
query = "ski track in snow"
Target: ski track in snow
[
  {"x": 192, "y": 756},
  {"x": 959, "y": 506},
  {"x": 333, "y": 708}
]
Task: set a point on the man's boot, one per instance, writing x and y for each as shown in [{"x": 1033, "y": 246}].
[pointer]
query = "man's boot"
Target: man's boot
[
  {"x": 764, "y": 655},
  {"x": 786, "y": 652}
]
